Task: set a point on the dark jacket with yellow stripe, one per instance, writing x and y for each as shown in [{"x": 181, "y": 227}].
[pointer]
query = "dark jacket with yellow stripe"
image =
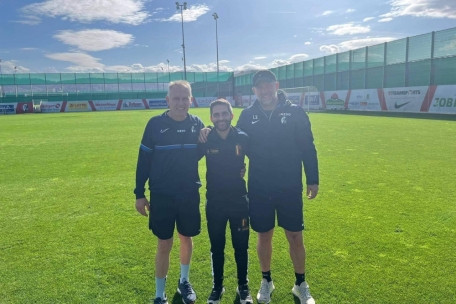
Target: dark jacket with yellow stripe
[{"x": 168, "y": 156}]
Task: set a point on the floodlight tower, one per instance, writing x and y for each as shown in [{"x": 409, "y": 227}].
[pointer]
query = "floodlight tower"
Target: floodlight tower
[
  {"x": 216, "y": 45},
  {"x": 169, "y": 75},
  {"x": 183, "y": 7}
]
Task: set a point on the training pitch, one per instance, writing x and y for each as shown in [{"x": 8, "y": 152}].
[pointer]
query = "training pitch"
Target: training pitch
[{"x": 382, "y": 229}]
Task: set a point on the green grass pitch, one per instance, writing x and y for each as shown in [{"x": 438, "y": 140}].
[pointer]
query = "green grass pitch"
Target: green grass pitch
[{"x": 382, "y": 230}]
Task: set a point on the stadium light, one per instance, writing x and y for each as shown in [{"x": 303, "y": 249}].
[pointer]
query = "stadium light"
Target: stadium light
[
  {"x": 169, "y": 75},
  {"x": 15, "y": 85},
  {"x": 183, "y": 7},
  {"x": 216, "y": 45},
  {"x": 0, "y": 66}
]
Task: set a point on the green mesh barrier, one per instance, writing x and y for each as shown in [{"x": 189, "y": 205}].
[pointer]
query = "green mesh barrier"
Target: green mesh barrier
[
  {"x": 445, "y": 43},
  {"x": 53, "y": 79},
  {"x": 358, "y": 59},
  {"x": 445, "y": 71},
  {"x": 419, "y": 73},
  {"x": 319, "y": 66},
  {"x": 376, "y": 55},
  {"x": 68, "y": 78},
  {"x": 343, "y": 80},
  {"x": 357, "y": 79},
  {"x": 330, "y": 63},
  {"x": 374, "y": 78},
  {"x": 139, "y": 78},
  {"x": 330, "y": 82},
  {"x": 290, "y": 71},
  {"x": 420, "y": 47},
  {"x": 395, "y": 75},
  {"x": 396, "y": 51},
  {"x": 308, "y": 68},
  {"x": 308, "y": 81},
  {"x": 319, "y": 82},
  {"x": 343, "y": 61},
  {"x": 299, "y": 69},
  {"x": 282, "y": 73}
]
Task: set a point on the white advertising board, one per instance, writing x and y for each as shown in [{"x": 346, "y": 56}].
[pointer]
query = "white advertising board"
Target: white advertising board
[
  {"x": 51, "y": 107},
  {"x": 444, "y": 100},
  {"x": 335, "y": 100},
  {"x": 405, "y": 99},
  {"x": 364, "y": 100}
]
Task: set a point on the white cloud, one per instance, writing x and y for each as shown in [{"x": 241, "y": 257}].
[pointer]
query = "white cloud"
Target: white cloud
[
  {"x": 350, "y": 10},
  {"x": 368, "y": 19},
  {"x": 29, "y": 20},
  {"x": 347, "y": 29},
  {"x": 8, "y": 67},
  {"x": 223, "y": 61},
  {"x": 260, "y": 57},
  {"x": 307, "y": 43},
  {"x": 190, "y": 14},
  {"x": 385, "y": 20},
  {"x": 80, "y": 59},
  {"x": 327, "y": 13},
  {"x": 87, "y": 11},
  {"x": 298, "y": 58},
  {"x": 422, "y": 8},
  {"x": 94, "y": 39},
  {"x": 249, "y": 67},
  {"x": 358, "y": 43},
  {"x": 353, "y": 44},
  {"x": 330, "y": 49}
]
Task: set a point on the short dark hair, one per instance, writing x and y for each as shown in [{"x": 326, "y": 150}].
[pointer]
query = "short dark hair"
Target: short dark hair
[{"x": 221, "y": 102}]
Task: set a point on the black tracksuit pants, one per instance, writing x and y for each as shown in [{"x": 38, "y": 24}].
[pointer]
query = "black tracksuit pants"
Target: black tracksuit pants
[{"x": 218, "y": 213}]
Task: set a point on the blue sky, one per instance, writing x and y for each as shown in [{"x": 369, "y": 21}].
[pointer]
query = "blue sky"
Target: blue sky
[{"x": 141, "y": 35}]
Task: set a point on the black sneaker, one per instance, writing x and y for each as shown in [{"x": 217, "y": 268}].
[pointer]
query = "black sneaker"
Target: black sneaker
[
  {"x": 216, "y": 295},
  {"x": 244, "y": 294},
  {"x": 161, "y": 301},
  {"x": 185, "y": 289}
]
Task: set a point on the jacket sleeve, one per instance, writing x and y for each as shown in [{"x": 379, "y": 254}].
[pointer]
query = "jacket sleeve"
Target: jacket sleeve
[
  {"x": 201, "y": 150},
  {"x": 144, "y": 161},
  {"x": 305, "y": 141},
  {"x": 242, "y": 121}
]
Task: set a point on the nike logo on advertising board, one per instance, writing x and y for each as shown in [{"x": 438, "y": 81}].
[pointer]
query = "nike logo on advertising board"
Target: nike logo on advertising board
[
  {"x": 396, "y": 106},
  {"x": 254, "y": 122},
  {"x": 163, "y": 131}
]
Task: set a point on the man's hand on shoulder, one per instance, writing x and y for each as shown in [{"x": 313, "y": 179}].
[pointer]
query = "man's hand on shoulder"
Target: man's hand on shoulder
[
  {"x": 141, "y": 205},
  {"x": 312, "y": 191},
  {"x": 202, "y": 138}
]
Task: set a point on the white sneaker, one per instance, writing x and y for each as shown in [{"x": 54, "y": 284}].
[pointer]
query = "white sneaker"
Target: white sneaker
[
  {"x": 302, "y": 292},
  {"x": 264, "y": 294}
]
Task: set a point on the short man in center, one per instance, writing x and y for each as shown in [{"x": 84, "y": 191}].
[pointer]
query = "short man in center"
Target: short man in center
[{"x": 226, "y": 197}]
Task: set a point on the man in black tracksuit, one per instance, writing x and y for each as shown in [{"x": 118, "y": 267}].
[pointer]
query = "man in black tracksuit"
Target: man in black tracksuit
[
  {"x": 226, "y": 198},
  {"x": 281, "y": 141},
  {"x": 168, "y": 158}
]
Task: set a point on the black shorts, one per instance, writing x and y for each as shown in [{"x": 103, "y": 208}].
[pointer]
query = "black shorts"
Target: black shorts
[
  {"x": 262, "y": 211},
  {"x": 167, "y": 211}
]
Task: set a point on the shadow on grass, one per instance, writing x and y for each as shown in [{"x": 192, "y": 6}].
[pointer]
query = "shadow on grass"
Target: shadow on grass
[{"x": 432, "y": 116}]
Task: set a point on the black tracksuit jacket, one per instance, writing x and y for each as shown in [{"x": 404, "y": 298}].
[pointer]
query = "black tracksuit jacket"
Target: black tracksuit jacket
[{"x": 279, "y": 144}]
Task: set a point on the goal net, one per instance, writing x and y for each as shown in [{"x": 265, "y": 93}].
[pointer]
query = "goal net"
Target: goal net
[{"x": 306, "y": 97}]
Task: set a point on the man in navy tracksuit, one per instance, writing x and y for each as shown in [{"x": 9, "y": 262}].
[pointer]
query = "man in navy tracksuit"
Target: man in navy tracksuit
[
  {"x": 168, "y": 158},
  {"x": 281, "y": 141},
  {"x": 225, "y": 150}
]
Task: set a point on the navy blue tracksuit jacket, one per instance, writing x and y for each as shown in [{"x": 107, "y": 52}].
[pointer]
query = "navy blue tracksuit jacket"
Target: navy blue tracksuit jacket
[
  {"x": 168, "y": 156},
  {"x": 280, "y": 143}
]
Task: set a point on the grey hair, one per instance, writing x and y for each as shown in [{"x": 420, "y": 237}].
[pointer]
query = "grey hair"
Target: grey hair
[{"x": 182, "y": 83}]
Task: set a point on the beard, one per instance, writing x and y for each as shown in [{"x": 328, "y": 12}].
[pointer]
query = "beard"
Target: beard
[{"x": 222, "y": 125}]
